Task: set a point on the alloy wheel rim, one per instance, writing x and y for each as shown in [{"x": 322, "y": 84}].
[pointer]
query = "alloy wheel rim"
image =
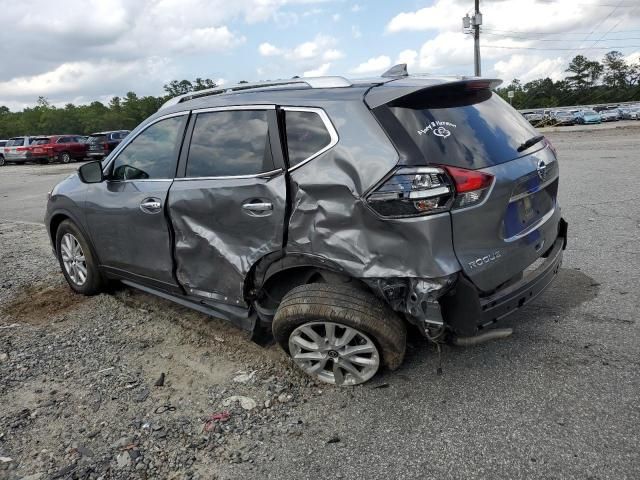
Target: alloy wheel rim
[
  {"x": 66, "y": 158},
  {"x": 73, "y": 259},
  {"x": 334, "y": 353}
]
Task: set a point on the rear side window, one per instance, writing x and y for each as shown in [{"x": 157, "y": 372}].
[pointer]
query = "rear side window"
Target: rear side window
[
  {"x": 15, "y": 142},
  {"x": 41, "y": 141},
  {"x": 306, "y": 135},
  {"x": 469, "y": 129},
  {"x": 152, "y": 154},
  {"x": 230, "y": 143}
]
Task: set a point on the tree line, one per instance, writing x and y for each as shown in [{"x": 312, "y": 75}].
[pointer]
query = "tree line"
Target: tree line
[
  {"x": 586, "y": 82},
  {"x": 120, "y": 113}
]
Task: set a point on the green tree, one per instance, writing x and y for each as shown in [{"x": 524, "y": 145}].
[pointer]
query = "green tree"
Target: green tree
[{"x": 616, "y": 70}]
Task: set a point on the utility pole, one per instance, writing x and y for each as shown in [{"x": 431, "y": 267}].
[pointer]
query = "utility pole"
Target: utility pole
[{"x": 472, "y": 25}]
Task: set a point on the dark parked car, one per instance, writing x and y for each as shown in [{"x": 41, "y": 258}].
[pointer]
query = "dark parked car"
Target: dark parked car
[
  {"x": 331, "y": 212},
  {"x": 2, "y": 144},
  {"x": 60, "y": 148},
  {"x": 102, "y": 144}
]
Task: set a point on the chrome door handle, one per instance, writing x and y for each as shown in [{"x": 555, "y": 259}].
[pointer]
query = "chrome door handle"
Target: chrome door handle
[
  {"x": 258, "y": 207},
  {"x": 151, "y": 205}
]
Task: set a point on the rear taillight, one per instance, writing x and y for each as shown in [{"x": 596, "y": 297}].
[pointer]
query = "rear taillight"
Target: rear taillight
[
  {"x": 412, "y": 191},
  {"x": 471, "y": 185}
]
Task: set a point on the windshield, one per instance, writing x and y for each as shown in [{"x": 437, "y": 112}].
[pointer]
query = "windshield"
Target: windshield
[
  {"x": 589, "y": 112},
  {"x": 469, "y": 129}
]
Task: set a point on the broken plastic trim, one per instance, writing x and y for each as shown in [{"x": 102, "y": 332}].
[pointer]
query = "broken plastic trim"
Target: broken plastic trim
[{"x": 416, "y": 298}]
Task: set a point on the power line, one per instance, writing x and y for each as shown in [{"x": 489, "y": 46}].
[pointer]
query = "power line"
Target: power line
[
  {"x": 553, "y": 39},
  {"x": 565, "y": 49},
  {"x": 523, "y": 32}
]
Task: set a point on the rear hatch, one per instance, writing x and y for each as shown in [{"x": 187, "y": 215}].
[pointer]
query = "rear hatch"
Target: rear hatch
[
  {"x": 96, "y": 143},
  {"x": 465, "y": 125}
]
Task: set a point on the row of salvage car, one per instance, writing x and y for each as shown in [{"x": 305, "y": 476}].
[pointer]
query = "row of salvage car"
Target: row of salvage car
[
  {"x": 44, "y": 149},
  {"x": 582, "y": 116}
]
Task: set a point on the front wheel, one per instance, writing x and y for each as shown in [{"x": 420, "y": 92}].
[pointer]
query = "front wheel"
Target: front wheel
[
  {"x": 64, "y": 157},
  {"x": 339, "y": 334},
  {"x": 78, "y": 264}
]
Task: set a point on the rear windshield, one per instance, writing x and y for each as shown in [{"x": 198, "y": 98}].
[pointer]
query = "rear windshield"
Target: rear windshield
[
  {"x": 41, "y": 141},
  {"x": 15, "y": 142},
  {"x": 96, "y": 138},
  {"x": 471, "y": 129}
]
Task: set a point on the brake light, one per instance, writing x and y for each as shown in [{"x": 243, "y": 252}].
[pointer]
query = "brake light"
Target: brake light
[
  {"x": 471, "y": 185},
  {"x": 412, "y": 191},
  {"x": 22, "y": 149}
]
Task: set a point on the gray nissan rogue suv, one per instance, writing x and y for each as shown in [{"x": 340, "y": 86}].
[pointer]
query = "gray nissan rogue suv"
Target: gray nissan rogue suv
[{"x": 327, "y": 211}]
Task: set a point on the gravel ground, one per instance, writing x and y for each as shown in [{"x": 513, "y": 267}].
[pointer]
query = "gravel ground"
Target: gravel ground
[{"x": 559, "y": 399}]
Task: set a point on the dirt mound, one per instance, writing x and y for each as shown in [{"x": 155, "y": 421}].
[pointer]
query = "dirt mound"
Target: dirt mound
[{"x": 37, "y": 305}]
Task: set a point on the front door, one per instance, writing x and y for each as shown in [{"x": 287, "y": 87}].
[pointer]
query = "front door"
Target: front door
[
  {"x": 126, "y": 213},
  {"x": 228, "y": 207}
]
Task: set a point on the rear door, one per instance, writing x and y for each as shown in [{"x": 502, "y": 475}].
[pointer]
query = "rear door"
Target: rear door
[
  {"x": 517, "y": 220},
  {"x": 228, "y": 207},
  {"x": 126, "y": 213}
]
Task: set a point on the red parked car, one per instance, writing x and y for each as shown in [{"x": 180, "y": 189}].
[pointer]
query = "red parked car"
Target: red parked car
[{"x": 61, "y": 148}]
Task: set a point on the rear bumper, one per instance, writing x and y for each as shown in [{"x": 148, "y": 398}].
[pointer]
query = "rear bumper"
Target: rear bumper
[{"x": 465, "y": 310}]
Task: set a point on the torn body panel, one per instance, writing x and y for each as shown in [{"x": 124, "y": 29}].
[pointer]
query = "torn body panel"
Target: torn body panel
[{"x": 330, "y": 218}]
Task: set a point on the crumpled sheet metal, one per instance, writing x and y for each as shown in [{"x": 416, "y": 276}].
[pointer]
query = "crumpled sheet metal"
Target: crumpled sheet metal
[
  {"x": 329, "y": 217},
  {"x": 216, "y": 242}
]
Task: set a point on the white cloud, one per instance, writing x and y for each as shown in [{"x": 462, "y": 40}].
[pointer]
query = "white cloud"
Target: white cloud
[
  {"x": 71, "y": 77},
  {"x": 335, "y": 17},
  {"x": 318, "y": 72},
  {"x": 355, "y": 31},
  {"x": 268, "y": 50},
  {"x": 356, "y": 8},
  {"x": 409, "y": 57},
  {"x": 321, "y": 47},
  {"x": 373, "y": 65},
  {"x": 527, "y": 68},
  {"x": 443, "y": 14},
  {"x": 332, "y": 54}
]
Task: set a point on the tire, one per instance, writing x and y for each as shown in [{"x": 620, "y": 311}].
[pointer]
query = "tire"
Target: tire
[
  {"x": 2, "y": 162},
  {"x": 64, "y": 157},
  {"x": 338, "y": 310},
  {"x": 93, "y": 282}
]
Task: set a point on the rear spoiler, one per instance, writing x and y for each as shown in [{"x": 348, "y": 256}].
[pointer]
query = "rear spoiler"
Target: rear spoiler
[{"x": 393, "y": 90}]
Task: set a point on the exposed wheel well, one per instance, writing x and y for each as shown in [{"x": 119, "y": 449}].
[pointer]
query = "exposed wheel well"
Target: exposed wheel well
[{"x": 279, "y": 284}]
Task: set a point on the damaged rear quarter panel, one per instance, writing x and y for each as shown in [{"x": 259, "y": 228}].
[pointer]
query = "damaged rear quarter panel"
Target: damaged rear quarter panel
[{"x": 329, "y": 217}]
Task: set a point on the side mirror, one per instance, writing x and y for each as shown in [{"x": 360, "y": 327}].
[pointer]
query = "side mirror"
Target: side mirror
[{"x": 91, "y": 172}]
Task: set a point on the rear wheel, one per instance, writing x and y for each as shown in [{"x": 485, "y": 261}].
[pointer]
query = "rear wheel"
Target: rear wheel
[
  {"x": 339, "y": 334},
  {"x": 76, "y": 259},
  {"x": 2, "y": 162},
  {"x": 64, "y": 157}
]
